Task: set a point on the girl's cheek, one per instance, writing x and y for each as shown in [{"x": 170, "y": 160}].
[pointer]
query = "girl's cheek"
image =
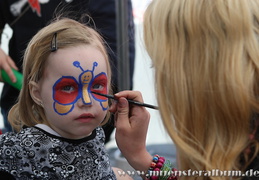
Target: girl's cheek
[{"x": 65, "y": 98}]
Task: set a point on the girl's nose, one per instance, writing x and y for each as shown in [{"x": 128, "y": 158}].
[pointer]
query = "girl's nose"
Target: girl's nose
[{"x": 86, "y": 98}]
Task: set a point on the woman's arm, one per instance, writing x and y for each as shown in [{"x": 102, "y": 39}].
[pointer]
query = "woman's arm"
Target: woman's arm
[{"x": 131, "y": 123}]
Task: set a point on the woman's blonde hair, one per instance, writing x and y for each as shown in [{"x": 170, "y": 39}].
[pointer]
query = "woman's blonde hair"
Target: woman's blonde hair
[
  {"x": 70, "y": 33},
  {"x": 206, "y": 57}
]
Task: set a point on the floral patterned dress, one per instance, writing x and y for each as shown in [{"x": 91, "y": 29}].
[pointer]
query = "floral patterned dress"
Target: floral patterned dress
[{"x": 35, "y": 153}]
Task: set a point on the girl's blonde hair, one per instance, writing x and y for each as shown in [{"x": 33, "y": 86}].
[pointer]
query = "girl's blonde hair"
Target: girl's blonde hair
[
  {"x": 206, "y": 57},
  {"x": 70, "y": 33}
]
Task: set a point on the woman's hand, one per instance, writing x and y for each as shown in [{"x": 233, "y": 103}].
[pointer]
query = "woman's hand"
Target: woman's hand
[{"x": 131, "y": 123}]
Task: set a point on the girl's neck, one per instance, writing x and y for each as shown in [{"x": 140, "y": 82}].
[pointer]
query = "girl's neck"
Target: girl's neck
[{"x": 47, "y": 129}]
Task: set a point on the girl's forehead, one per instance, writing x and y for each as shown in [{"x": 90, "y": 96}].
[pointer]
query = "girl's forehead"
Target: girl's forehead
[
  {"x": 75, "y": 60},
  {"x": 86, "y": 55}
]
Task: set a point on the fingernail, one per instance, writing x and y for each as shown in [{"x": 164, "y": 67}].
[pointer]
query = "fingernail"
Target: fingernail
[{"x": 122, "y": 102}]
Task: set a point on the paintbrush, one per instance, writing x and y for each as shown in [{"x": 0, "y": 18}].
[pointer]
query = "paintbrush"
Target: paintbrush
[{"x": 129, "y": 100}]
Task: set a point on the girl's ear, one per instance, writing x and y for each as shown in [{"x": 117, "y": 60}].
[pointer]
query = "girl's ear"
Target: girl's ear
[{"x": 35, "y": 92}]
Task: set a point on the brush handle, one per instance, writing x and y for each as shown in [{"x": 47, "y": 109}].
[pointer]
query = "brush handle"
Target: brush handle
[
  {"x": 129, "y": 100},
  {"x": 142, "y": 104},
  {"x": 18, "y": 75}
]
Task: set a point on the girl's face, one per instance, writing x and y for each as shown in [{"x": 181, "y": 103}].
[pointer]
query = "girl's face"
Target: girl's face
[{"x": 70, "y": 77}]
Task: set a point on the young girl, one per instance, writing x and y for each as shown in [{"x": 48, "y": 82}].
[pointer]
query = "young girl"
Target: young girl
[{"x": 57, "y": 116}]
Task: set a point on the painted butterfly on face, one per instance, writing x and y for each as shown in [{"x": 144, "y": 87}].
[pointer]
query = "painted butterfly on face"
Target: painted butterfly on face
[{"x": 67, "y": 90}]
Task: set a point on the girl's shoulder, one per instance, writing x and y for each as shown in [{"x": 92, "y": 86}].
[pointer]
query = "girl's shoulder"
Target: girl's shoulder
[
  {"x": 31, "y": 136},
  {"x": 10, "y": 139}
]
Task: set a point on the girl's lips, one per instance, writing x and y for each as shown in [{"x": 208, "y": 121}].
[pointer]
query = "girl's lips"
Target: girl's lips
[{"x": 86, "y": 117}]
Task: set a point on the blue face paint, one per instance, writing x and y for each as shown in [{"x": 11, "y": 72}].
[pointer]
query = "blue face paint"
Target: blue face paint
[{"x": 67, "y": 90}]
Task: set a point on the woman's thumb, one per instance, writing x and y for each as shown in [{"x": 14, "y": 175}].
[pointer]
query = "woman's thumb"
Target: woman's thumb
[{"x": 122, "y": 108}]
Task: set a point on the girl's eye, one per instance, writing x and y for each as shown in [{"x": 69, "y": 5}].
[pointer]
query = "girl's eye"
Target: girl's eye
[
  {"x": 68, "y": 89},
  {"x": 65, "y": 90},
  {"x": 66, "y": 85},
  {"x": 97, "y": 87}
]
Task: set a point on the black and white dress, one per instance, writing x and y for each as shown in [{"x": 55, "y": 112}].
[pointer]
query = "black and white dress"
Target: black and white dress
[{"x": 38, "y": 153}]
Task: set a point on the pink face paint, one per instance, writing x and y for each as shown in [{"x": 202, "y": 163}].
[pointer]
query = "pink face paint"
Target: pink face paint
[{"x": 65, "y": 90}]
